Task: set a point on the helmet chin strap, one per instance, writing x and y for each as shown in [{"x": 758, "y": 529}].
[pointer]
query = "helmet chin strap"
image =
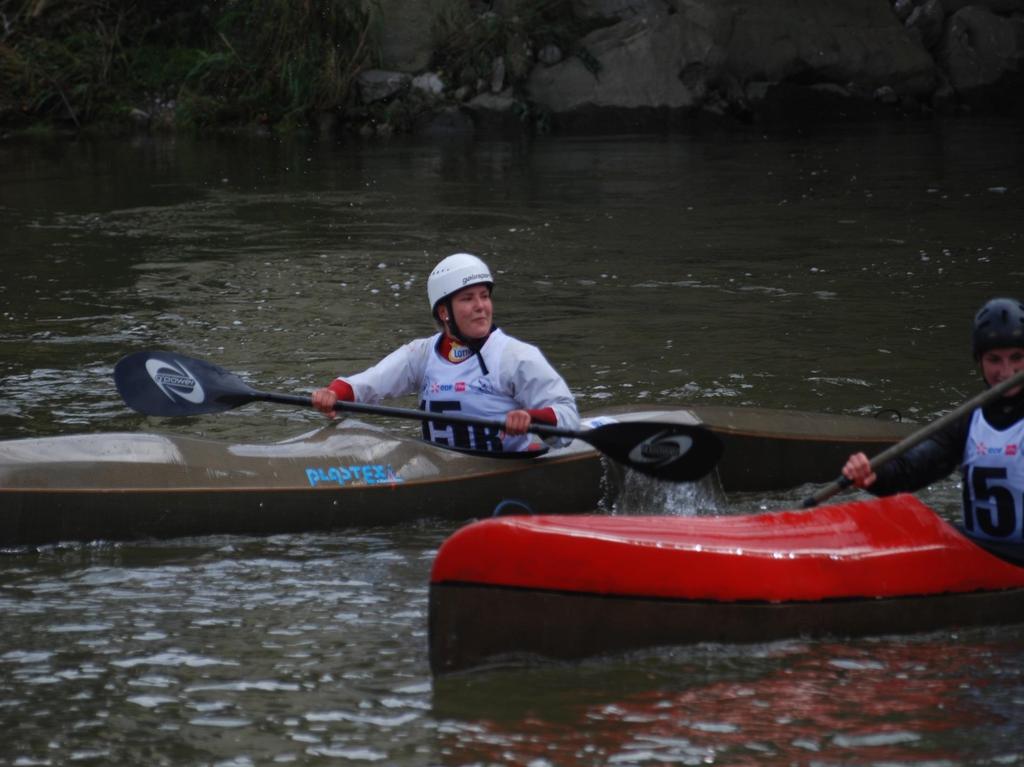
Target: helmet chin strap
[{"x": 453, "y": 330}]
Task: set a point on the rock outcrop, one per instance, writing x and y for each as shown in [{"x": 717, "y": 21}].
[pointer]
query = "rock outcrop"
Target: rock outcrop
[
  {"x": 651, "y": 63},
  {"x": 982, "y": 54},
  {"x": 731, "y": 56}
]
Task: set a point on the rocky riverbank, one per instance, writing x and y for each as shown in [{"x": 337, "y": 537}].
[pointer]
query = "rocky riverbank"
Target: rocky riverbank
[
  {"x": 655, "y": 64},
  {"x": 511, "y": 67}
]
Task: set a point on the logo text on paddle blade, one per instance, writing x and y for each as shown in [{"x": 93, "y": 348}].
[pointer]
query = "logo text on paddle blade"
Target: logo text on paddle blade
[
  {"x": 175, "y": 381},
  {"x": 661, "y": 449}
]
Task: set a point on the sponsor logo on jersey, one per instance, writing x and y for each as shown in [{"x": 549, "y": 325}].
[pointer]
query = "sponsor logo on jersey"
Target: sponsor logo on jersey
[
  {"x": 481, "y": 385},
  {"x": 1009, "y": 450},
  {"x": 458, "y": 353}
]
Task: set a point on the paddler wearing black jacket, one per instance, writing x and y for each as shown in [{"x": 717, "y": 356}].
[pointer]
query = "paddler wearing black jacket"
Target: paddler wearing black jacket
[{"x": 987, "y": 445}]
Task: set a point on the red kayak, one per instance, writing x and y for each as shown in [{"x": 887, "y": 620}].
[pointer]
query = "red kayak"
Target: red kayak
[{"x": 569, "y": 587}]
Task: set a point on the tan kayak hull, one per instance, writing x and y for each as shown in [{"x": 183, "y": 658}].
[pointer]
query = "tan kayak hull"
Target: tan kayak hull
[{"x": 120, "y": 486}]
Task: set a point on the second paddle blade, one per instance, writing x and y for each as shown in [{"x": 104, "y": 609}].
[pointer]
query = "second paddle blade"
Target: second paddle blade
[
  {"x": 674, "y": 452},
  {"x": 168, "y": 384}
]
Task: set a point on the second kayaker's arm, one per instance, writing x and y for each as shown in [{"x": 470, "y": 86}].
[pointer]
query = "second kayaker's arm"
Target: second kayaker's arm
[{"x": 984, "y": 436}]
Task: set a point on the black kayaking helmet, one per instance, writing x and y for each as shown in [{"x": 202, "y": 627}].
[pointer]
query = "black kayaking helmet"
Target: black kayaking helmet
[{"x": 997, "y": 325}]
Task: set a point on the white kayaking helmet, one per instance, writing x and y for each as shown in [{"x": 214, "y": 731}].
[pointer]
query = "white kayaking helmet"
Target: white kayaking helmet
[{"x": 452, "y": 274}]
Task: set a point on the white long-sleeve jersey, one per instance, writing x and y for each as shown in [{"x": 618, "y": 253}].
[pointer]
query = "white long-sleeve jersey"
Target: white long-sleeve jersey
[{"x": 519, "y": 377}]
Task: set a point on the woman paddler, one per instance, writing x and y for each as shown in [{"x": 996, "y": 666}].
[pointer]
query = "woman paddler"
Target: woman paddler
[
  {"x": 470, "y": 367},
  {"x": 987, "y": 444}
]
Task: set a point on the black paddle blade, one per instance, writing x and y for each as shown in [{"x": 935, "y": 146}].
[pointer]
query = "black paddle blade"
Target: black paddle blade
[
  {"x": 674, "y": 452},
  {"x": 168, "y": 384}
]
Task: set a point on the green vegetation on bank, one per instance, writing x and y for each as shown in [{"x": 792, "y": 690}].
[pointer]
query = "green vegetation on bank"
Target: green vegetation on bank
[
  {"x": 108, "y": 64},
  {"x": 89, "y": 62}
]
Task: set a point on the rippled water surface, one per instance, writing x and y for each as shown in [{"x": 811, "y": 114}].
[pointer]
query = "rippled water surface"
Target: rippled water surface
[{"x": 834, "y": 272}]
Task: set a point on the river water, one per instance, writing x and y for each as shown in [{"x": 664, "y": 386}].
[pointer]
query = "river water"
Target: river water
[{"x": 834, "y": 271}]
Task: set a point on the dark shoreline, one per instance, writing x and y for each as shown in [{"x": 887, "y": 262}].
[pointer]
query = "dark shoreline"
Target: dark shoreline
[{"x": 534, "y": 67}]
